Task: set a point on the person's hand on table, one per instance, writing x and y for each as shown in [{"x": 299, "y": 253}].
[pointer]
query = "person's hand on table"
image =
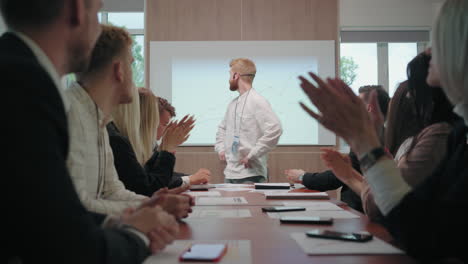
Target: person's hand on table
[
  {"x": 160, "y": 227},
  {"x": 293, "y": 175},
  {"x": 202, "y": 176},
  {"x": 172, "y": 201}
]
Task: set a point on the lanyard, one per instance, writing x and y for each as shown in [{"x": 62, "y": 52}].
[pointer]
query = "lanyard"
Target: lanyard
[{"x": 242, "y": 113}]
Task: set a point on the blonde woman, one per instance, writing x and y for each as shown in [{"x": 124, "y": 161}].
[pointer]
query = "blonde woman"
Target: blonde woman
[
  {"x": 166, "y": 113},
  {"x": 161, "y": 160},
  {"x": 427, "y": 219},
  {"x": 128, "y": 150}
]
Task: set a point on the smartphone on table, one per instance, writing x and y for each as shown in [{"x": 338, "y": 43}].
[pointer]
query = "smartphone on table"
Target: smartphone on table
[
  {"x": 306, "y": 220},
  {"x": 282, "y": 209},
  {"x": 330, "y": 234},
  {"x": 204, "y": 252}
]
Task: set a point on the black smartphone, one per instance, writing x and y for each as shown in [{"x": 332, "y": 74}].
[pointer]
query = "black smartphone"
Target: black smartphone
[
  {"x": 306, "y": 220},
  {"x": 339, "y": 235},
  {"x": 282, "y": 209}
]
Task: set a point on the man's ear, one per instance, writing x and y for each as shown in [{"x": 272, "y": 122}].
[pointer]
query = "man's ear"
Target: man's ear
[
  {"x": 118, "y": 71},
  {"x": 77, "y": 12}
]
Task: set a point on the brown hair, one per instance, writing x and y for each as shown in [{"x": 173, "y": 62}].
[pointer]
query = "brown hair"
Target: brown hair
[
  {"x": 245, "y": 67},
  {"x": 402, "y": 121},
  {"x": 112, "y": 43},
  {"x": 164, "y": 105}
]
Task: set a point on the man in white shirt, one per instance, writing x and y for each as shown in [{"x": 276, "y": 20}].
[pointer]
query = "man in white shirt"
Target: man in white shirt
[
  {"x": 105, "y": 84},
  {"x": 249, "y": 130}
]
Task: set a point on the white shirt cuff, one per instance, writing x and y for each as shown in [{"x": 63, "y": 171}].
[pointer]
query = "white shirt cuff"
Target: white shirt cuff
[
  {"x": 387, "y": 184},
  {"x": 186, "y": 180}
]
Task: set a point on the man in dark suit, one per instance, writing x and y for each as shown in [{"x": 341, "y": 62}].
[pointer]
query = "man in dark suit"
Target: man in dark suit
[
  {"x": 45, "y": 220},
  {"x": 326, "y": 180}
]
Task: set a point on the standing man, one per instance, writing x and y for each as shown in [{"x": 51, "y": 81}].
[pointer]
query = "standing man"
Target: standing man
[{"x": 250, "y": 128}]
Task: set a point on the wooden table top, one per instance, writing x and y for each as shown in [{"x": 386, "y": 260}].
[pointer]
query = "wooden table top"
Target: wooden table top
[{"x": 270, "y": 240}]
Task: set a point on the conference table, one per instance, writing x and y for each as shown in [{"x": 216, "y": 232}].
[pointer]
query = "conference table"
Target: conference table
[{"x": 270, "y": 241}]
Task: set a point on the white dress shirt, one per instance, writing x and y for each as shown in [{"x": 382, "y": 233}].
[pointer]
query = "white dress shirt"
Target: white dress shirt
[
  {"x": 250, "y": 117},
  {"x": 91, "y": 161}
]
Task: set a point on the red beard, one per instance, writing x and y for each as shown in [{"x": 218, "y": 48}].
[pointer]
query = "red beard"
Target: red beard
[{"x": 233, "y": 85}]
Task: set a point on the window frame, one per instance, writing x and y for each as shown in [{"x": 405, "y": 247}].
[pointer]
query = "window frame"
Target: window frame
[{"x": 365, "y": 35}]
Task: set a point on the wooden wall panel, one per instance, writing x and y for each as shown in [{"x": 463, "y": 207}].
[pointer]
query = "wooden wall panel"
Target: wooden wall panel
[
  {"x": 190, "y": 159},
  {"x": 174, "y": 20},
  {"x": 194, "y": 20},
  {"x": 289, "y": 20}
]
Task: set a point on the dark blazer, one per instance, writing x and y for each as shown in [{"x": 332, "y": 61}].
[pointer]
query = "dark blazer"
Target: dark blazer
[
  {"x": 430, "y": 221},
  {"x": 46, "y": 221},
  {"x": 326, "y": 181},
  {"x": 176, "y": 180},
  {"x": 131, "y": 173}
]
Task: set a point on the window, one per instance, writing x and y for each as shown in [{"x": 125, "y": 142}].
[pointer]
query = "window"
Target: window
[
  {"x": 138, "y": 66},
  {"x": 127, "y": 20},
  {"x": 399, "y": 55},
  {"x": 134, "y": 23},
  {"x": 359, "y": 64}
]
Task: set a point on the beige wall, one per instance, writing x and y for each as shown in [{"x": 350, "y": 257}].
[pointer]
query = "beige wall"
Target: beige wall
[{"x": 197, "y": 20}]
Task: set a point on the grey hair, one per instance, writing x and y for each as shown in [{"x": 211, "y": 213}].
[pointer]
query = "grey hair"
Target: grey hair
[{"x": 450, "y": 49}]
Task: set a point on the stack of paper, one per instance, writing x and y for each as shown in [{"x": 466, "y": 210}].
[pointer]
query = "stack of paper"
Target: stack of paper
[
  {"x": 204, "y": 193},
  {"x": 314, "y": 205},
  {"x": 297, "y": 195},
  {"x": 322, "y": 246},
  {"x": 229, "y": 187},
  {"x": 220, "y": 201},
  {"x": 204, "y": 212}
]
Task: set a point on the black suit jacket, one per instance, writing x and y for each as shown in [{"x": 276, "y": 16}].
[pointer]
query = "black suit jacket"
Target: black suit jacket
[
  {"x": 134, "y": 176},
  {"x": 46, "y": 221},
  {"x": 326, "y": 181}
]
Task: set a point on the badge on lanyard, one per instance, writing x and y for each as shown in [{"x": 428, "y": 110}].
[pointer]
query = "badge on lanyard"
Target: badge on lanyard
[{"x": 235, "y": 145}]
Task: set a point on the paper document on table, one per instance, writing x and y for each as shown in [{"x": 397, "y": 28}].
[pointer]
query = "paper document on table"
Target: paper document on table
[
  {"x": 232, "y": 185},
  {"x": 323, "y": 246},
  {"x": 297, "y": 195},
  {"x": 333, "y": 214},
  {"x": 238, "y": 251},
  {"x": 269, "y": 192},
  {"x": 235, "y": 189},
  {"x": 204, "y": 193},
  {"x": 199, "y": 212},
  {"x": 314, "y": 205},
  {"x": 220, "y": 201}
]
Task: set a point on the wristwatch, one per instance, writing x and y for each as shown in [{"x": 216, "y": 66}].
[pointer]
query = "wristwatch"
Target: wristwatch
[{"x": 370, "y": 158}]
